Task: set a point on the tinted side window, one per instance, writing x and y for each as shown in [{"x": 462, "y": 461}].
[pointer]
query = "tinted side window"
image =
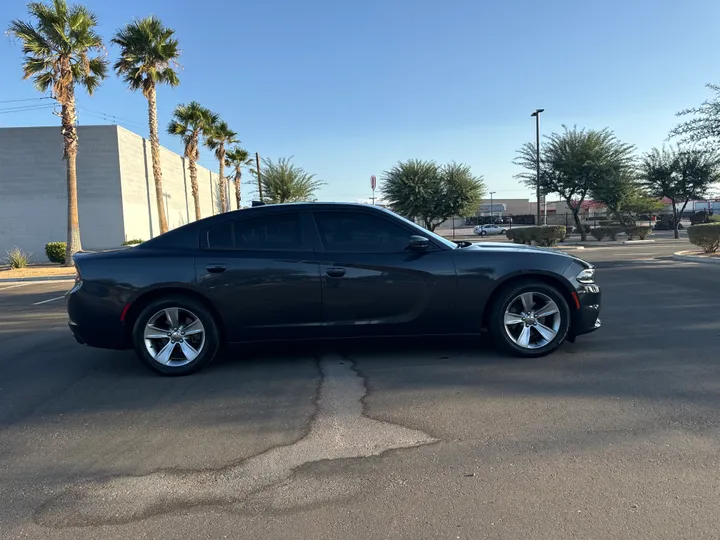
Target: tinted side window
[
  {"x": 360, "y": 232},
  {"x": 219, "y": 237},
  {"x": 274, "y": 232}
]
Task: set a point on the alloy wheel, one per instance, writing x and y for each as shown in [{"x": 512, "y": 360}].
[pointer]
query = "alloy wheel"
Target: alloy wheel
[
  {"x": 174, "y": 336},
  {"x": 532, "y": 320}
]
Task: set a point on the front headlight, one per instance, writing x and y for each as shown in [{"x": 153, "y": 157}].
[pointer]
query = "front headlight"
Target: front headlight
[{"x": 586, "y": 276}]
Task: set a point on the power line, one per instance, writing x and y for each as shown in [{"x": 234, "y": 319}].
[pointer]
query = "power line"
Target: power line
[
  {"x": 27, "y": 99},
  {"x": 26, "y": 109},
  {"x": 111, "y": 117}
]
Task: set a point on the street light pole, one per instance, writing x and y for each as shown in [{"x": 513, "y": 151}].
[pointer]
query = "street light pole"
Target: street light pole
[
  {"x": 491, "y": 206},
  {"x": 536, "y": 114}
]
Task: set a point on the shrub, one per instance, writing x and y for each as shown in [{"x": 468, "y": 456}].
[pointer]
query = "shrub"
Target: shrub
[
  {"x": 706, "y": 236},
  {"x": 546, "y": 235},
  {"x": 638, "y": 232},
  {"x": 598, "y": 233},
  {"x": 132, "y": 242},
  {"x": 613, "y": 231},
  {"x": 55, "y": 251},
  {"x": 714, "y": 218},
  {"x": 17, "y": 258}
]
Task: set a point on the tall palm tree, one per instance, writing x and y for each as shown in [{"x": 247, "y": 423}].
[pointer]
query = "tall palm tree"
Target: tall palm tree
[
  {"x": 190, "y": 122},
  {"x": 237, "y": 158},
  {"x": 148, "y": 57},
  {"x": 216, "y": 139},
  {"x": 57, "y": 45}
]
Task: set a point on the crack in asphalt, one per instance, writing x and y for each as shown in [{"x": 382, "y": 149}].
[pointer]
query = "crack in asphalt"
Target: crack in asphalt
[{"x": 338, "y": 430}]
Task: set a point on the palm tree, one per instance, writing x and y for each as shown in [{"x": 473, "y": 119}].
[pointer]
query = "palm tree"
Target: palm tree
[
  {"x": 148, "y": 57},
  {"x": 284, "y": 182},
  {"x": 57, "y": 47},
  {"x": 217, "y": 137},
  {"x": 237, "y": 158},
  {"x": 190, "y": 122}
]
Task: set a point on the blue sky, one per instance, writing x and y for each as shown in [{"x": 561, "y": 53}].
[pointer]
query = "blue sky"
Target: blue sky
[{"x": 350, "y": 88}]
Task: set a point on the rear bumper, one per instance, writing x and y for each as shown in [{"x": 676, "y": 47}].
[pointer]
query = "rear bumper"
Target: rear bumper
[
  {"x": 587, "y": 318},
  {"x": 94, "y": 317}
]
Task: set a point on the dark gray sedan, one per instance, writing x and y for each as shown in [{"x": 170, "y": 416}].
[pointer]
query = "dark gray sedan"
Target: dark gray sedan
[{"x": 322, "y": 271}]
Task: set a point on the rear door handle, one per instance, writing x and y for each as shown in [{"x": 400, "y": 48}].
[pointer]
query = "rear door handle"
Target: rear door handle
[
  {"x": 335, "y": 272},
  {"x": 216, "y": 268}
]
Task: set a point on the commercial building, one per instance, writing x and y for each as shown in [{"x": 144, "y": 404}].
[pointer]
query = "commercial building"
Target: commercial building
[{"x": 116, "y": 188}]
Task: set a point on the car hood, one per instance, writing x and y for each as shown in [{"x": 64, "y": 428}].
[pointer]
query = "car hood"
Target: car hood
[{"x": 508, "y": 247}]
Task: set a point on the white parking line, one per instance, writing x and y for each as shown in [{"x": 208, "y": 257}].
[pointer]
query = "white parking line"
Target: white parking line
[
  {"x": 15, "y": 285},
  {"x": 51, "y": 300}
]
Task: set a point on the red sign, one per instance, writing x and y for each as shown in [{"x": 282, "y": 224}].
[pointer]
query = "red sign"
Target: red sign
[{"x": 373, "y": 182}]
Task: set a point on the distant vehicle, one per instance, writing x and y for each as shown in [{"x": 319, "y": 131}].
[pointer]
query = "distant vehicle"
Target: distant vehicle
[
  {"x": 322, "y": 271},
  {"x": 483, "y": 230}
]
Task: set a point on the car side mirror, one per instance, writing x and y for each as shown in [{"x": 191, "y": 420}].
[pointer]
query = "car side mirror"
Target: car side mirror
[{"x": 418, "y": 243}]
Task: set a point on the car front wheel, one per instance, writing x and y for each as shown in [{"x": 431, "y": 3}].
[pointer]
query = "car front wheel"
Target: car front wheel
[
  {"x": 175, "y": 336},
  {"x": 530, "y": 319}
]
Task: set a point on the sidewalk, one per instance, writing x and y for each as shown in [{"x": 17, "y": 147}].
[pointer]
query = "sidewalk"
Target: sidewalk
[{"x": 40, "y": 272}]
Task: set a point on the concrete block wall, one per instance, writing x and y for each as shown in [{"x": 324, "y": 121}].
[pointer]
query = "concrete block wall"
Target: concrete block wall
[
  {"x": 33, "y": 188},
  {"x": 116, "y": 188},
  {"x": 138, "y": 188}
]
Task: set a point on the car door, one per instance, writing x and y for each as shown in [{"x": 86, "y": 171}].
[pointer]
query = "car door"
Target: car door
[
  {"x": 373, "y": 284},
  {"x": 262, "y": 275}
]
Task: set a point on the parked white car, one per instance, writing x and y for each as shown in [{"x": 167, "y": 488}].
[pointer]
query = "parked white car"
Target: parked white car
[{"x": 483, "y": 230}]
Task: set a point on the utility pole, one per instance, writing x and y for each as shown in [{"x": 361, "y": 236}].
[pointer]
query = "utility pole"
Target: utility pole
[
  {"x": 257, "y": 168},
  {"x": 536, "y": 114}
]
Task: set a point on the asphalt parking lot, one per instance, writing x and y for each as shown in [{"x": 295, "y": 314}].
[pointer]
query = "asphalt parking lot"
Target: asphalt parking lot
[{"x": 615, "y": 436}]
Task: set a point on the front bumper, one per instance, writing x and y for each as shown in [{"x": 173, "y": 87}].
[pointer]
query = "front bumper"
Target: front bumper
[{"x": 587, "y": 317}]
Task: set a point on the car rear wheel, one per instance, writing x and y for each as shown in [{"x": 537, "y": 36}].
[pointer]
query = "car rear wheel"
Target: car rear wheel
[
  {"x": 530, "y": 319},
  {"x": 175, "y": 336}
]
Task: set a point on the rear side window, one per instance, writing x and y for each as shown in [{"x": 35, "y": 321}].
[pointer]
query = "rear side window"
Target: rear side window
[{"x": 274, "y": 232}]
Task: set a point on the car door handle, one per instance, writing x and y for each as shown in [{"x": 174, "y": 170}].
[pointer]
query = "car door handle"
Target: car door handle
[
  {"x": 335, "y": 272},
  {"x": 216, "y": 268}
]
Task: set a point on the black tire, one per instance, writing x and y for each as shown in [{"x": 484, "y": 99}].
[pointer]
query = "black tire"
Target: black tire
[
  {"x": 483, "y": 233},
  {"x": 509, "y": 295},
  {"x": 210, "y": 346},
  {"x": 503, "y": 231}
]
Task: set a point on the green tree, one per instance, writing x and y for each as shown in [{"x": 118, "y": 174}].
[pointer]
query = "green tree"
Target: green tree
[
  {"x": 424, "y": 190},
  {"x": 572, "y": 163},
  {"x": 705, "y": 126},
  {"x": 681, "y": 175},
  {"x": 58, "y": 45},
  {"x": 217, "y": 138},
  {"x": 190, "y": 122},
  {"x": 624, "y": 197},
  {"x": 148, "y": 57},
  {"x": 283, "y": 182},
  {"x": 238, "y": 158}
]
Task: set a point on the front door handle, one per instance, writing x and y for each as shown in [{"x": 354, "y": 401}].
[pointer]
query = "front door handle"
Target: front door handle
[
  {"x": 335, "y": 272},
  {"x": 216, "y": 268}
]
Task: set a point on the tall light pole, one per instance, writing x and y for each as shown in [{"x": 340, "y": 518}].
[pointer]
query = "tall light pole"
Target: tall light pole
[
  {"x": 491, "y": 206},
  {"x": 536, "y": 114}
]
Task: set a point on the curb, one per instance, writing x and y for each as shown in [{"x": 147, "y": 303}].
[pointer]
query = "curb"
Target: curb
[
  {"x": 638, "y": 241},
  {"x": 38, "y": 279},
  {"x": 686, "y": 257},
  {"x": 568, "y": 248}
]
